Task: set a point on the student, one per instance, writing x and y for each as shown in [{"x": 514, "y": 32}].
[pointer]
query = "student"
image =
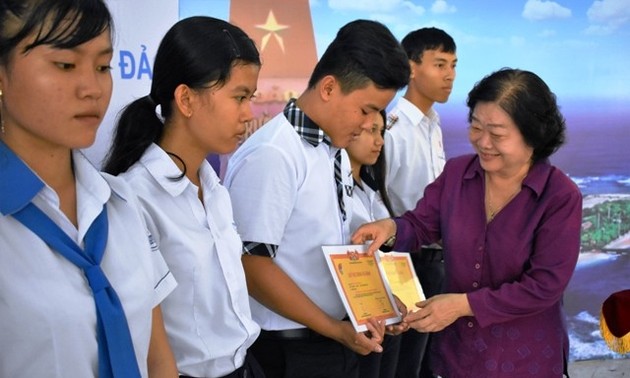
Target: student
[
  {"x": 290, "y": 183},
  {"x": 415, "y": 157},
  {"x": 205, "y": 75},
  {"x": 370, "y": 202},
  {"x": 370, "y": 199},
  {"x": 80, "y": 279},
  {"x": 510, "y": 223}
]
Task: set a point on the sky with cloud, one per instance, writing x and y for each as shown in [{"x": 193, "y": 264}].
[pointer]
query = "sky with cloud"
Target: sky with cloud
[{"x": 581, "y": 48}]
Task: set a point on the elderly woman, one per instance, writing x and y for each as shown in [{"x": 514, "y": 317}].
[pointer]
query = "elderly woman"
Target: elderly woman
[{"x": 510, "y": 223}]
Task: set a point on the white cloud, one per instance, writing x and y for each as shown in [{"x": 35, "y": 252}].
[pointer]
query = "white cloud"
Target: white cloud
[
  {"x": 536, "y": 10},
  {"x": 607, "y": 16},
  {"x": 606, "y": 10},
  {"x": 599, "y": 30},
  {"x": 364, "y": 5},
  {"x": 417, "y": 9},
  {"x": 441, "y": 6}
]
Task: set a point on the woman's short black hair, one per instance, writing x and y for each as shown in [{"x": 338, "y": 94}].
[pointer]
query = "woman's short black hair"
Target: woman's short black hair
[{"x": 527, "y": 99}]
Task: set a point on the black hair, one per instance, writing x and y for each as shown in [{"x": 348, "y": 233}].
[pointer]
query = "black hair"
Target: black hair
[
  {"x": 418, "y": 41},
  {"x": 527, "y": 99},
  {"x": 197, "y": 51},
  {"x": 362, "y": 52},
  {"x": 374, "y": 175},
  {"x": 59, "y": 23}
]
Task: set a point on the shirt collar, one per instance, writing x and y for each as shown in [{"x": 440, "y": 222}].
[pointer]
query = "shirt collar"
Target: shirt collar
[
  {"x": 164, "y": 170},
  {"x": 414, "y": 114},
  {"x": 304, "y": 126},
  {"x": 20, "y": 184},
  {"x": 90, "y": 179},
  {"x": 535, "y": 180}
]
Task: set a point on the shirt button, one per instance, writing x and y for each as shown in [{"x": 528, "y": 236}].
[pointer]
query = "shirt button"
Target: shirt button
[
  {"x": 470, "y": 324},
  {"x": 475, "y": 284},
  {"x": 477, "y": 266}
]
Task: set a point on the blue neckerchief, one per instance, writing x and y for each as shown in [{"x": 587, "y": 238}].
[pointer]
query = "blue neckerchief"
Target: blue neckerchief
[{"x": 17, "y": 189}]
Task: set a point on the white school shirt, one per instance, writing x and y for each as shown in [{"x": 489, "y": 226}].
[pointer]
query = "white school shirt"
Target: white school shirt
[
  {"x": 47, "y": 311},
  {"x": 367, "y": 206},
  {"x": 207, "y": 317},
  {"x": 284, "y": 193},
  {"x": 414, "y": 153}
]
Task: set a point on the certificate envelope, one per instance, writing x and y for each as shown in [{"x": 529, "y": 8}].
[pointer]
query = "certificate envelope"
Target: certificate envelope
[
  {"x": 402, "y": 278},
  {"x": 362, "y": 286}
]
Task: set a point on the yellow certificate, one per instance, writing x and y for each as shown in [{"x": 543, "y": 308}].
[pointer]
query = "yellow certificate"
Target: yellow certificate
[
  {"x": 362, "y": 286},
  {"x": 402, "y": 278}
]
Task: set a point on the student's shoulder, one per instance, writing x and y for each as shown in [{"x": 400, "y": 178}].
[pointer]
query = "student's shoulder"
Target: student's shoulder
[
  {"x": 277, "y": 136},
  {"x": 119, "y": 185},
  {"x": 275, "y": 131},
  {"x": 398, "y": 122}
]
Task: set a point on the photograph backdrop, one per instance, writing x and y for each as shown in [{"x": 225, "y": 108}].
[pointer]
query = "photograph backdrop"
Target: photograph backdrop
[{"x": 579, "y": 47}]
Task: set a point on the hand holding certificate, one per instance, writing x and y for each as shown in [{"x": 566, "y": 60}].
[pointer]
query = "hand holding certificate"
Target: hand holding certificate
[{"x": 361, "y": 282}]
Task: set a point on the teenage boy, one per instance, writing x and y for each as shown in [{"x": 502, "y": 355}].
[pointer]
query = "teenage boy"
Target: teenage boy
[
  {"x": 290, "y": 183},
  {"x": 415, "y": 157}
]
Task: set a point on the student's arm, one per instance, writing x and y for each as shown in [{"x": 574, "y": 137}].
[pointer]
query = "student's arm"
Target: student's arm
[
  {"x": 269, "y": 285},
  {"x": 161, "y": 362}
]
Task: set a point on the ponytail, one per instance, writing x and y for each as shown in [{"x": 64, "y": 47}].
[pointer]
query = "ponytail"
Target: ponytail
[{"x": 138, "y": 126}]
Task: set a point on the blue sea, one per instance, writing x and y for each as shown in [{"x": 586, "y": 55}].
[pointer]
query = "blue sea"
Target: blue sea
[
  {"x": 596, "y": 156},
  {"x": 593, "y": 281}
]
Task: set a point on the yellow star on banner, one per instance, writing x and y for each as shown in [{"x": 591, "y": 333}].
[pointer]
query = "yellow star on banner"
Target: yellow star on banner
[{"x": 272, "y": 27}]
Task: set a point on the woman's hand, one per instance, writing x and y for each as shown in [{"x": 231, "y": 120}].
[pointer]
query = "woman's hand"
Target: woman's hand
[
  {"x": 378, "y": 232},
  {"x": 438, "y": 312}
]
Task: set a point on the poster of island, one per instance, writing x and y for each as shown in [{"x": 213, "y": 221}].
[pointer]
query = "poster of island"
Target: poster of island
[{"x": 579, "y": 47}]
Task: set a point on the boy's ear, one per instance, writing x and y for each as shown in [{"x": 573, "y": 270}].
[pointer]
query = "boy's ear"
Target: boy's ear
[{"x": 327, "y": 87}]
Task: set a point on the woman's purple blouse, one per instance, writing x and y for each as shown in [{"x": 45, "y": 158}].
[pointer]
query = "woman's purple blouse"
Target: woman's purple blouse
[{"x": 513, "y": 269}]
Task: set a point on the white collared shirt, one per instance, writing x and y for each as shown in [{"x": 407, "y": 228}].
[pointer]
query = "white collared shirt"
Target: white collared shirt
[
  {"x": 207, "y": 318},
  {"x": 47, "y": 310},
  {"x": 284, "y": 193},
  {"x": 414, "y": 153},
  {"x": 367, "y": 206}
]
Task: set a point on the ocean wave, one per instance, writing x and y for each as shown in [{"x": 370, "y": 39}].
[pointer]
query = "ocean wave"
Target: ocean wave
[
  {"x": 592, "y": 258},
  {"x": 581, "y": 349},
  {"x": 605, "y": 184},
  {"x": 586, "y": 317},
  {"x": 585, "y": 339}
]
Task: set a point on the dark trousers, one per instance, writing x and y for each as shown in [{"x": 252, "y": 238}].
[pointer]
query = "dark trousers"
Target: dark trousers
[
  {"x": 304, "y": 356},
  {"x": 413, "y": 359},
  {"x": 250, "y": 369},
  {"x": 381, "y": 365}
]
